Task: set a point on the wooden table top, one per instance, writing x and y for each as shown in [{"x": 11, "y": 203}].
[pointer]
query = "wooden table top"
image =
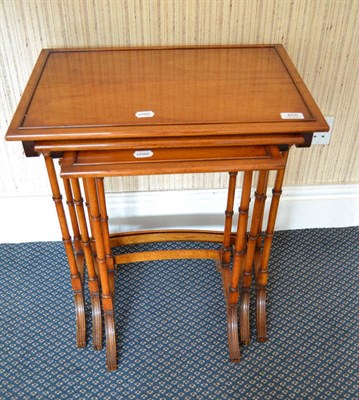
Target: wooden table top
[{"x": 76, "y": 94}]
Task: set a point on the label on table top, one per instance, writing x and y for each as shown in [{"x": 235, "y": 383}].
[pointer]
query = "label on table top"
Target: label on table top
[
  {"x": 143, "y": 153},
  {"x": 144, "y": 114},
  {"x": 292, "y": 115}
]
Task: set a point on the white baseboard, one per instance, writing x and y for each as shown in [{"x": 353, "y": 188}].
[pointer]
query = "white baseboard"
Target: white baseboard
[{"x": 33, "y": 218}]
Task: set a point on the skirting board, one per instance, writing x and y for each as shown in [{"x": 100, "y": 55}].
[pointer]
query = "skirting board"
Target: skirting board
[{"x": 33, "y": 218}]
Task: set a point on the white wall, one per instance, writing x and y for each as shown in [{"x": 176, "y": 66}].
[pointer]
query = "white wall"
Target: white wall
[{"x": 33, "y": 218}]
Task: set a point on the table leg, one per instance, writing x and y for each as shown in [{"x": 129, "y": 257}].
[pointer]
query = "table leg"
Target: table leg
[
  {"x": 106, "y": 234},
  {"x": 232, "y": 326},
  {"x": 92, "y": 240},
  {"x": 258, "y": 252},
  {"x": 252, "y": 240},
  {"x": 262, "y": 274},
  {"x": 75, "y": 227},
  {"x": 107, "y": 299},
  {"x": 75, "y": 275},
  {"x": 92, "y": 276},
  {"x": 226, "y": 248},
  {"x": 237, "y": 269}
]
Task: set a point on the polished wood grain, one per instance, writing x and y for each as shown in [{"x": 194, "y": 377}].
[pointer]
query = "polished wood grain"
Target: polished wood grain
[
  {"x": 191, "y": 91},
  {"x": 165, "y": 161},
  {"x": 164, "y": 142},
  {"x": 180, "y": 87},
  {"x": 171, "y": 235},
  {"x": 168, "y": 255}
]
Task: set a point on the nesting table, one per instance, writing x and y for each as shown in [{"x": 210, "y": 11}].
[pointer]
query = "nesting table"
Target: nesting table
[{"x": 108, "y": 112}]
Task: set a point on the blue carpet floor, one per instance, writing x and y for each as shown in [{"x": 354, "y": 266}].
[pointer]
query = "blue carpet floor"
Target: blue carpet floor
[{"x": 171, "y": 327}]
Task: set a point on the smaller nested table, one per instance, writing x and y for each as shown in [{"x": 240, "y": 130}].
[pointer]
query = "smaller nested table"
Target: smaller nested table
[
  {"x": 146, "y": 111},
  {"x": 92, "y": 167}
]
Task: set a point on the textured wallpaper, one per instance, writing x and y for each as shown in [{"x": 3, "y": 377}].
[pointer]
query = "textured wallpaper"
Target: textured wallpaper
[{"x": 321, "y": 37}]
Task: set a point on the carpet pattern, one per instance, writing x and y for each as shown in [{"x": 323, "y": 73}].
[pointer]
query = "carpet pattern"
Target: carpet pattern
[{"x": 171, "y": 327}]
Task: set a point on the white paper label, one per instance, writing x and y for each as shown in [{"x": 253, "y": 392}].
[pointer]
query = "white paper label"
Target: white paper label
[
  {"x": 144, "y": 114},
  {"x": 143, "y": 153},
  {"x": 291, "y": 115}
]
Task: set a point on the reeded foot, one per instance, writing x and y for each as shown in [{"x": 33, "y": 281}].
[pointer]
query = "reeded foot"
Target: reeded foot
[
  {"x": 244, "y": 318},
  {"x": 232, "y": 315},
  {"x": 232, "y": 327},
  {"x": 96, "y": 322},
  {"x": 111, "y": 353},
  {"x": 80, "y": 320},
  {"x": 261, "y": 315}
]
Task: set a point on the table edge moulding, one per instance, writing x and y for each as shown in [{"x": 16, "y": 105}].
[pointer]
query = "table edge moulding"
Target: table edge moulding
[{"x": 107, "y": 112}]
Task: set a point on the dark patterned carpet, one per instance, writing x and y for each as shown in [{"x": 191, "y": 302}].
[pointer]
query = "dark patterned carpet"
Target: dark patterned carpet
[{"x": 171, "y": 327}]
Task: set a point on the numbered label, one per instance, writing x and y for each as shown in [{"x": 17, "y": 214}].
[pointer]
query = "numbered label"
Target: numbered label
[
  {"x": 292, "y": 115},
  {"x": 144, "y": 114},
  {"x": 143, "y": 153}
]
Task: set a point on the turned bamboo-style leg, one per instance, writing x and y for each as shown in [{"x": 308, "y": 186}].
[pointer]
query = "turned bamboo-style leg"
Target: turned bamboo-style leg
[
  {"x": 232, "y": 328},
  {"x": 92, "y": 276},
  {"x": 75, "y": 227},
  {"x": 105, "y": 233},
  {"x": 92, "y": 240},
  {"x": 226, "y": 249},
  {"x": 75, "y": 275},
  {"x": 251, "y": 245},
  {"x": 262, "y": 274},
  {"x": 107, "y": 299},
  {"x": 238, "y": 259},
  {"x": 258, "y": 252}
]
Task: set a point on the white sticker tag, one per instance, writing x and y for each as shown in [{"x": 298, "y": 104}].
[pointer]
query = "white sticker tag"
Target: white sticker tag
[
  {"x": 144, "y": 114},
  {"x": 292, "y": 115},
  {"x": 143, "y": 153}
]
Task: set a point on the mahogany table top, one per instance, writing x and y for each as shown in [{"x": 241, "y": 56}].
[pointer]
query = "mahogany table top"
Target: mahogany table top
[{"x": 117, "y": 93}]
